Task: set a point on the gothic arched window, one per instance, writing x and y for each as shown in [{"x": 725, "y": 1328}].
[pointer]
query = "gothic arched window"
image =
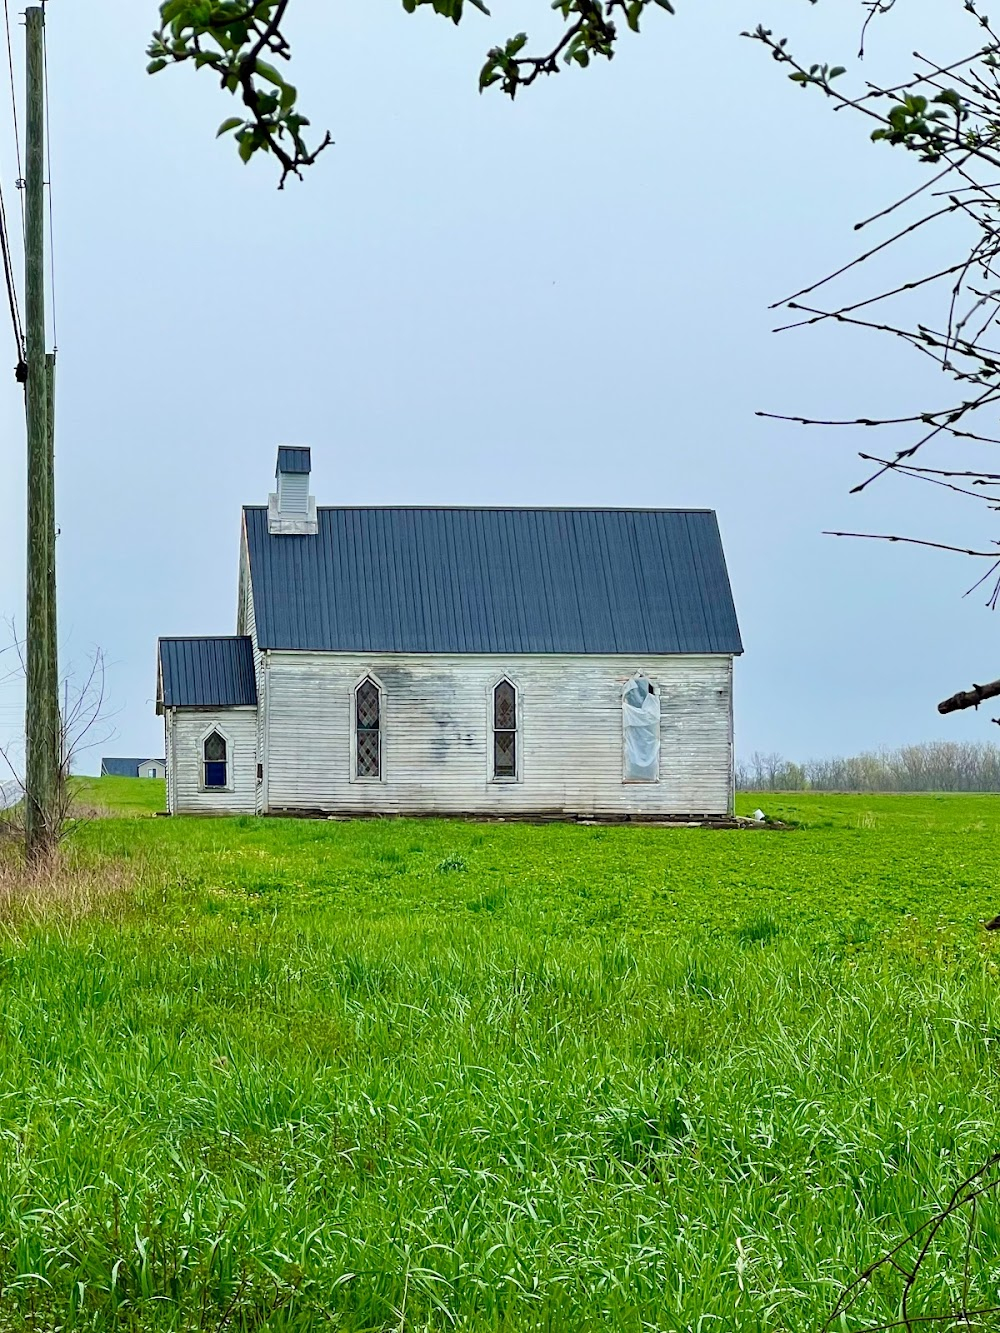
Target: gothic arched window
[
  {"x": 368, "y": 730},
  {"x": 504, "y": 730},
  {"x": 216, "y": 757}
]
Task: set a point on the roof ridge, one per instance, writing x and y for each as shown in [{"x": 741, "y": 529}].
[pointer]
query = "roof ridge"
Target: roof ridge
[{"x": 507, "y": 509}]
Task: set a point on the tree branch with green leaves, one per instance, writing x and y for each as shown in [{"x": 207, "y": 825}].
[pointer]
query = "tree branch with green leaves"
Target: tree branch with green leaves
[{"x": 241, "y": 42}]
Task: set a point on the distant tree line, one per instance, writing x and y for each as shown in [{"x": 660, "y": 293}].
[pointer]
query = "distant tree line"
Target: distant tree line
[{"x": 935, "y": 766}]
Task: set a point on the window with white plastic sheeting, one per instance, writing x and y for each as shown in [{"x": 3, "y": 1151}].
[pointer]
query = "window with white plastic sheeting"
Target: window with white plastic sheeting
[{"x": 640, "y": 731}]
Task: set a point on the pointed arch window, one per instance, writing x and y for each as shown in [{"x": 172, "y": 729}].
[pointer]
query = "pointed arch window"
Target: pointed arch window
[
  {"x": 215, "y": 753},
  {"x": 505, "y": 720},
  {"x": 368, "y": 729}
]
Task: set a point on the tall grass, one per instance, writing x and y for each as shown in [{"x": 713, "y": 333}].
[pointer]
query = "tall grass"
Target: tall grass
[
  {"x": 67, "y": 888},
  {"x": 627, "y": 1079}
]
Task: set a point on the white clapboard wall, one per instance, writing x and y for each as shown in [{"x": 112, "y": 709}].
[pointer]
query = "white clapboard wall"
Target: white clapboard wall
[{"x": 437, "y": 742}]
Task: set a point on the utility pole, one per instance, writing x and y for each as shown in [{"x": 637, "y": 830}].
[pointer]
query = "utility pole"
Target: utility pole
[
  {"x": 42, "y": 695},
  {"x": 52, "y": 628}
]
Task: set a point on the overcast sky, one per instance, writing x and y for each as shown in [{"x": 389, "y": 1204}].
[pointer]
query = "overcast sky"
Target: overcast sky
[{"x": 561, "y": 301}]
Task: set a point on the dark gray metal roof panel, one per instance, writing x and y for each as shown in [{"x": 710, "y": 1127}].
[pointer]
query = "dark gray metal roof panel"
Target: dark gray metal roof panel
[
  {"x": 293, "y": 459},
  {"x": 207, "y": 673},
  {"x": 494, "y": 581},
  {"x": 126, "y": 768}
]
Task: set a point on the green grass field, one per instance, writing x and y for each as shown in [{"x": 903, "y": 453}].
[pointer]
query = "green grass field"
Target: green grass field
[{"x": 413, "y": 1075}]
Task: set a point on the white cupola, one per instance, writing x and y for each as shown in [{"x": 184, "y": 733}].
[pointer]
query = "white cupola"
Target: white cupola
[{"x": 291, "y": 510}]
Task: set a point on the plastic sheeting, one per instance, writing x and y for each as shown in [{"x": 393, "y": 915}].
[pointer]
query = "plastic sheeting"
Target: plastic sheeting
[{"x": 641, "y": 731}]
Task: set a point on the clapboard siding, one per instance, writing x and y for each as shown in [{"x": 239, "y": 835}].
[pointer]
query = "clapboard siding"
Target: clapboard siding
[
  {"x": 246, "y": 623},
  {"x": 186, "y": 730},
  {"x": 168, "y": 730},
  {"x": 246, "y": 620},
  {"x": 437, "y": 742}
]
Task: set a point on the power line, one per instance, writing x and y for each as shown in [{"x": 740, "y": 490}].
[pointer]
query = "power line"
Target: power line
[
  {"x": 13, "y": 103},
  {"x": 5, "y": 249},
  {"x": 8, "y": 270},
  {"x": 48, "y": 168}
]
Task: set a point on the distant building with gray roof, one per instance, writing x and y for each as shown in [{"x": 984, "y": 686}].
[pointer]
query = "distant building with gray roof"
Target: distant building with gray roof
[{"x": 133, "y": 768}]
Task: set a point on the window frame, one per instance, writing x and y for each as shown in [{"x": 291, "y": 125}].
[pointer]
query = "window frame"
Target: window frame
[
  {"x": 215, "y": 730},
  {"x": 369, "y": 678},
  {"x": 504, "y": 779}
]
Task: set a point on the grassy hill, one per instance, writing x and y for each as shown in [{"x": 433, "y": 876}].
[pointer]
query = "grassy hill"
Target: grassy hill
[
  {"x": 128, "y": 796},
  {"x": 436, "y": 1075}
]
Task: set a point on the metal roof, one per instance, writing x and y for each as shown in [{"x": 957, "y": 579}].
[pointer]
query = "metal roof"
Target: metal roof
[
  {"x": 292, "y": 459},
  {"x": 126, "y": 768},
  {"x": 494, "y": 581},
  {"x": 205, "y": 673}
]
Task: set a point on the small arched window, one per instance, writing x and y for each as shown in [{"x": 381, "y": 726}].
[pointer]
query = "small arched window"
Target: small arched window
[
  {"x": 368, "y": 729},
  {"x": 504, "y": 731},
  {"x": 216, "y": 761}
]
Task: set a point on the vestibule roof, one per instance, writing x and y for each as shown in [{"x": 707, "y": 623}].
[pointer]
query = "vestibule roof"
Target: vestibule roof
[{"x": 205, "y": 673}]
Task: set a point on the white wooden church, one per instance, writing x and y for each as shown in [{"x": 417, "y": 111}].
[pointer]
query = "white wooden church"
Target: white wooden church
[{"x": 504, "y": 662}]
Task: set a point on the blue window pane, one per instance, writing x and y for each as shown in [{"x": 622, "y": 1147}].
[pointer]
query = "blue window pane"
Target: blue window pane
[{"x": 215, "y": 775}]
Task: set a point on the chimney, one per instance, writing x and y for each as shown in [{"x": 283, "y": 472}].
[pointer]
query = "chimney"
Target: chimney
[{"x": 291, "y": 511}]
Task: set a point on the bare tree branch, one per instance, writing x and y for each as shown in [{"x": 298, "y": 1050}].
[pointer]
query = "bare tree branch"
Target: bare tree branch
[
  {"x": 946, "y": 115},
  {"x": 955, "y": 1310},
  {"x": 913, "y": 541},
  {"x": 969, "y": 698},
  {"x": 85, "y": 722}
]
